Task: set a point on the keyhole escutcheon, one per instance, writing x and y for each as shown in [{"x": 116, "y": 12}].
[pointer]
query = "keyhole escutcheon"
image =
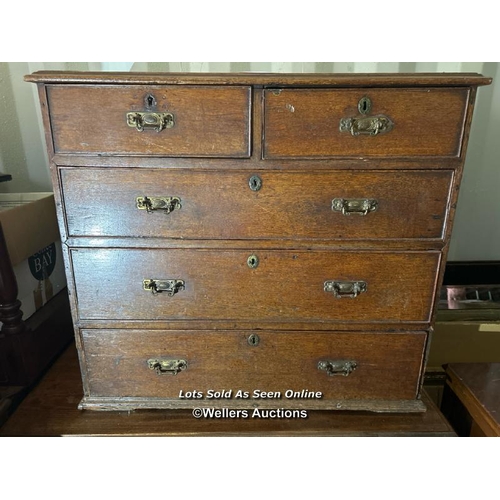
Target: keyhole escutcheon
[
  {"x": 253, "y": 261},
  {"x": 150, "y": 101},
  {"x": 364, "y": 105},
  {"x": 253, "y": 339},
  {"x": 255, "y": 183}
]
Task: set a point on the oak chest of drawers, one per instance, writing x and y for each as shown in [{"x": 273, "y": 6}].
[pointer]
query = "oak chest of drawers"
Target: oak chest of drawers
[{"x": 248, "y": 234}]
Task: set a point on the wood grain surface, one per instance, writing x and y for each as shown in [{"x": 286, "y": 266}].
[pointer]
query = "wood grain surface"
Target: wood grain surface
[
  {"x": 305, "y": 123},
  {"x": 219, "y": 205},
  {"x": 209, "y": 121},
  {"x": 262, "y": 79},
  {"x": 285, "y": 285},
  {"x": 255, "y": 163},
  {"x": 388, "y": 365},
  {"x": 477, "y": 385}
]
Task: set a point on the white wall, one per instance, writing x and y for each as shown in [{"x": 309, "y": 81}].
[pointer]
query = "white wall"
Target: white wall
[{"x": 476, "y": 233}]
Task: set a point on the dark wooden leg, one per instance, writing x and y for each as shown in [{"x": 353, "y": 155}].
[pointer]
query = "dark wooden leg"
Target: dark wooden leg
[
  {"x": 14, "y": 329},
  {"x": 10, "y": 308}
]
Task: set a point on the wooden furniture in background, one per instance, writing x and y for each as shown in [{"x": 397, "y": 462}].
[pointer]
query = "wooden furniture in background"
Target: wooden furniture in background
[
  {"x": 255, "y": 232},
  {"x": 27, "y": 348},
  {"x": 471, "y": 400},
  {"x": 467, "y": 326}
]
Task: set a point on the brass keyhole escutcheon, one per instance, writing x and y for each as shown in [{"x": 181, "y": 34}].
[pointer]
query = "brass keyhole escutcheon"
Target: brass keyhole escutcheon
[
  {"x": 253, "y": 261},
  {"x": 253, "y": 339},
  {"x": 255, "y": 183},
  {"x": 364, "y": 105}
]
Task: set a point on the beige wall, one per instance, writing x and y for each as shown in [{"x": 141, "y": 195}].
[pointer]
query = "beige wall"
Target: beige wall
[{"x": 477, "y": 226}]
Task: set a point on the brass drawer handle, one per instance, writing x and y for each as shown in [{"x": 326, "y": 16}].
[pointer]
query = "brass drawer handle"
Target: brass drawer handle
[
  {"x": 170, "y": 287},
  {"x": 366, "y": 125},
  {"x": 337, "y": 367},
  {"x": 355, "y": 206},
  {"x": 167, "y": 366},
  {"x": 151, "y": 203},
  {"x": 149, "y": 120},
  {"x": 349, "y": 289}
]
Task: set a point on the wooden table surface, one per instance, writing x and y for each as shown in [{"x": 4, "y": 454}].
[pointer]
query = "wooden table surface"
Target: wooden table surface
[
  {"x": 477, "y": 386},
  {"x": 51, "y": 410}
]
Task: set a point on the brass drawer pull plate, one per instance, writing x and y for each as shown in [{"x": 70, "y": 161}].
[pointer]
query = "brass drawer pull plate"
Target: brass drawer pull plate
[
  {"x": 170, "y": 287},
  {"x": 366, "y": 125},
  {"x": 349, "y": 289},
  {"x": 150, "y": 203},
  {"x": 150, "y": 120},
  {"x": 369, "y": 125},
  {"x": 355, "y": 206},
  {"x": 167, "y": 366},
  {"x": 337, "y": 367}
]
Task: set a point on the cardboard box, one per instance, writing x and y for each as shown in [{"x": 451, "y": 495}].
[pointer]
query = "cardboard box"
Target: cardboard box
[
  {"x": 30, "y": 228},
  {"x": 29, "y": 223},
  {"x": 464, "y": 342}
]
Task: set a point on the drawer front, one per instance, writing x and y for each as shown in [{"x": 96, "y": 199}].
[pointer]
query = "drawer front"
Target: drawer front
[
  {"x": 196, "y": 121},
  {"x": 387, "y": 366},
  {"x": 221, "y": 285},
  {"x": 221, "y": 205},
  {"x": 397, "y": 123}
]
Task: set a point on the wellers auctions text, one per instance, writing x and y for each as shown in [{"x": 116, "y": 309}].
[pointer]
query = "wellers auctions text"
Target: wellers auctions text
[
  {"x": 256, "y": 413},
  {"x": 255, "y": 394}
]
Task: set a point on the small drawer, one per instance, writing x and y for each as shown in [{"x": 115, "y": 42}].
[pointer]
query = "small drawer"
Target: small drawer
[
  {"x": 205, "y": 121},
  {"x": 311, "y": 123},
  {"x": 198, "y": 364},
  {"x": 254, "y": 285},
  {"x": 346, "y": 205}
]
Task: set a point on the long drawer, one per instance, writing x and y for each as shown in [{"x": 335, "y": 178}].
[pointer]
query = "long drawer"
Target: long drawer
[
  {"x": 364, "y": 122},
  {"x": 137, "y": 363},
  {"x": 189, "y": 204},
  {"x": 151, "y": 120},
  {"x": 186, "y": 284}
]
